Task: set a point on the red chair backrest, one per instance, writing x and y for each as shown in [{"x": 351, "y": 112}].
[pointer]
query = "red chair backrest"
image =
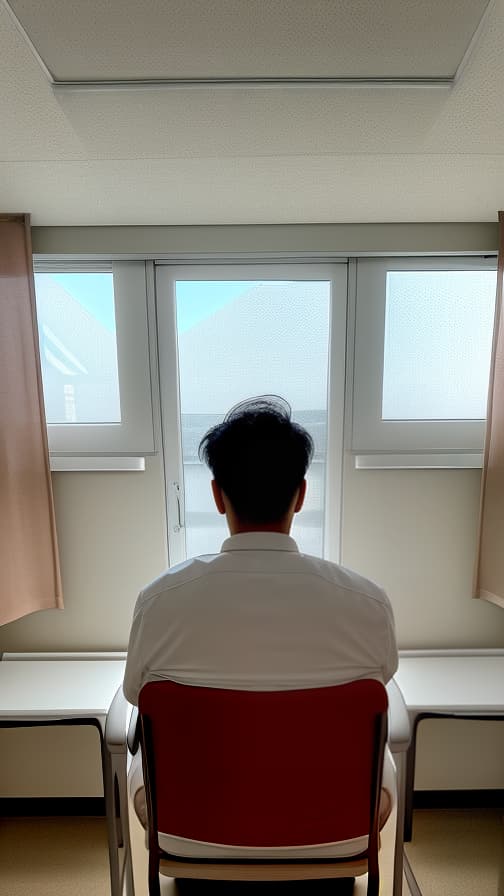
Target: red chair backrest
[{"x": 248, "y": 768}]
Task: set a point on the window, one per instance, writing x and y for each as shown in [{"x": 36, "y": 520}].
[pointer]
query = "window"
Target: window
[
  {"x": 78, "y": 347},
  {"x": 423, "y": 338},
  {"x": 238, "y": 333},
  {"x": 93, "y": 340}
]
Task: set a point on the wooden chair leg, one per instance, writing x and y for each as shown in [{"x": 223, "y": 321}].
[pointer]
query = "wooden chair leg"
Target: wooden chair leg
[
  {"x": 373, "y": 887},
  {"x": 154, "y": 887}
]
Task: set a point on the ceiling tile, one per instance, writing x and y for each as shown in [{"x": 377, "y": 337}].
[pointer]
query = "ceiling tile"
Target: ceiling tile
[{"x": 125, "y": 39}]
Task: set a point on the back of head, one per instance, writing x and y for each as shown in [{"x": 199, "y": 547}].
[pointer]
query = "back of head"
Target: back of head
[{"x": 258, "y": 457}]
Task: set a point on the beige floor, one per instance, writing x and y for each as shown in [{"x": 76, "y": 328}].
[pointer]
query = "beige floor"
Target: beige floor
[
  {"x": 68, "y": 857},
  {"x": 452, "y": 854},
  {"x": 458, "y": 852},
  {"x": 53, "y": 857}
]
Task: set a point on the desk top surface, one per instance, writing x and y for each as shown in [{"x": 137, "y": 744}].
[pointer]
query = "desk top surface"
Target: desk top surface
[
  {"x": 472, "y": 684},
  {"x": 52, "y": 689}
]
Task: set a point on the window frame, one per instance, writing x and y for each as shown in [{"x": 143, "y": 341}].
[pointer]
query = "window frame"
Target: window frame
[
  {"x": 134, "y": 435},
  {"x": 397, "y": 441}
]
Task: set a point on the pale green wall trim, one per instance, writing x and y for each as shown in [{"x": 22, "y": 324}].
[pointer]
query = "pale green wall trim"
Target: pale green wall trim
[{"x": 268, "y": 240}]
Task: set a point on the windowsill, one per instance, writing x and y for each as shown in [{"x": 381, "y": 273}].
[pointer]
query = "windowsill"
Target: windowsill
[
  {"x": 72, "y": 464},
  {"x": 419, "y": 461}
]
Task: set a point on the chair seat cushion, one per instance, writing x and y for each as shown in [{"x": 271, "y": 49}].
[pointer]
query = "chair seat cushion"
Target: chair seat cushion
[{"x": 198, "y": 849}]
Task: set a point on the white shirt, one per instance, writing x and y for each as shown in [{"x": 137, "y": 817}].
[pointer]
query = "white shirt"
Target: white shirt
[{"x": 260, "y": 616}]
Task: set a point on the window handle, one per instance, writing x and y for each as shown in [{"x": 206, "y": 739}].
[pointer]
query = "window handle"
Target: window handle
[{"x": 180, "y": 507}]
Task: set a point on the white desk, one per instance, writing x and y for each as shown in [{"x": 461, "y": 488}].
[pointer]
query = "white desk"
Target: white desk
[
  {"x": 448, "y": 683},
  {"x": 66, "y": 689},
  {"x": 452, "y": 681},
  {"x": 463, "y": 684},
  {"x": 71, "y": 686}
]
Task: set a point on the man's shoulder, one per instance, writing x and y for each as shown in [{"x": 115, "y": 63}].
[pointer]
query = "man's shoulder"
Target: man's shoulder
[
  {"x": 184, "y": 577},
  {"x": 343, "y": 578},
  {"x": 176, "y": 576}
]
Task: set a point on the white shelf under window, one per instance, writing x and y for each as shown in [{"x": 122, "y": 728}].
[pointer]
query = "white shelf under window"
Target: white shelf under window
[
  {"x": 427, "y": 461},
  {"x": 73, "y": 464}
]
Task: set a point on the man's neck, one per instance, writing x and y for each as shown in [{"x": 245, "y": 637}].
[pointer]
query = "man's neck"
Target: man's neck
[{"x": 237, "y": 527}]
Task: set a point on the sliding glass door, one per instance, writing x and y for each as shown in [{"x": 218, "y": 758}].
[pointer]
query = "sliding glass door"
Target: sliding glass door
[{"x": 229, "y": 333}]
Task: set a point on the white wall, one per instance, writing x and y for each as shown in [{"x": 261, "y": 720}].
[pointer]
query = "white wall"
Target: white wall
[
  {"x": 111, "y": 534},
  {"x": 414, "y": 532}
]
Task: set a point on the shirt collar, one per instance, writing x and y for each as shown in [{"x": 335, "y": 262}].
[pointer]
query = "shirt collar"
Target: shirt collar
[{"x": 259, "y": 541}]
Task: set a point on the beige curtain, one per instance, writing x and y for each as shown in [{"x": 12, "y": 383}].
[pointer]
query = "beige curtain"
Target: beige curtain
[
  {"x": 29, "y": 564},
  {"x": 489, "y": 582}
]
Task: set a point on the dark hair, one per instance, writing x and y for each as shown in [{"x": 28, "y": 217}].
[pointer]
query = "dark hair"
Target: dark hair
[{"x": 258, "y": 457}]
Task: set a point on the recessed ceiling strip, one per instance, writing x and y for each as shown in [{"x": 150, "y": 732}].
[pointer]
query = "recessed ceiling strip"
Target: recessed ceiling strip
[{"x": 251, "y": 83}]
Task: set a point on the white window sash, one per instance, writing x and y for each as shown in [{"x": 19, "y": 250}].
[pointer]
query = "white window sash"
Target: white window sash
[
  {"x": 134, "y": 435},
  {"x": 370, "y": 433}
]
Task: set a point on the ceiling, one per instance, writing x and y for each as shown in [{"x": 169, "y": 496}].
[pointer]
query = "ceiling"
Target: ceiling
[{"x": 208, "y": 154}]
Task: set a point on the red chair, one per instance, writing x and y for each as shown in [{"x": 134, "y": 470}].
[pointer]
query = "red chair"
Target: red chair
[{"x": 263, "y": 770}]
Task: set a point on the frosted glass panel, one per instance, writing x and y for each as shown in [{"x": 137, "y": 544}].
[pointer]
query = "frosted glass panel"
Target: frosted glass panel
[
  {"x": 236, "y": 340},
  {"x": 78, "y": 349},
  {"x": 438, "y": 337}
]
